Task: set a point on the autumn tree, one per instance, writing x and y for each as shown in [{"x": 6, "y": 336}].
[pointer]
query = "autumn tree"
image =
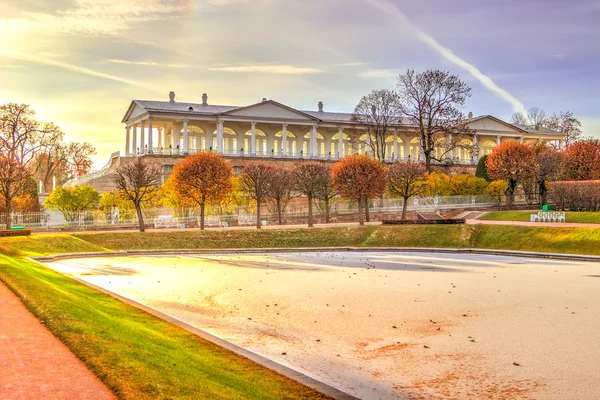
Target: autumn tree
[
  {"x": 326, "y": 193},
  {"x": 513, "y": 162},
  {"x": 406, "y": 180},
  {"x": 282, "y": 190},
  {"x": 204, "y": 178},
  {"x": 359, "y": 177},
  {"x": 138, "y": 182},
  {"x": 431, "y": 101},
  {"x": 79, "y": 157},
  {"x": 14, "y": 177},
  {"x": 256, "y": 182},
  {"x": 377, "y": 113},
  {"x": 581, "y": 160},
  {"x": 309, "y": 179},
  {"x": 71, "y": 201},
  {"x": 547, "y": 166}
]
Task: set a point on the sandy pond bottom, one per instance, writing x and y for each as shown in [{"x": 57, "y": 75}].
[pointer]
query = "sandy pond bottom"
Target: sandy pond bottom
[{"x": 387, "y": 325}]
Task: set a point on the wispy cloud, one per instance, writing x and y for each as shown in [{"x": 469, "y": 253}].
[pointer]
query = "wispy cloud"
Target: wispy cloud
[
  {"x": 268, "y": 69},
  {"x": 351, "y": 64},
  {"x": 71, "y": 67},
  {"x": 378, "y": 73},
  {"x": 144, "y": 63},
  {"x": 390, "y": 9}
]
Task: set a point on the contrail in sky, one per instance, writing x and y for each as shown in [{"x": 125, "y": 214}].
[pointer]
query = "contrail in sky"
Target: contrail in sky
[
  {"x": 391, "y": 9},
  {"x": 86, "y": 71}
]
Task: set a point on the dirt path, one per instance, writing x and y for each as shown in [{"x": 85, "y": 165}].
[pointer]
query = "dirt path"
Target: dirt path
[{"x": 36, "y": 365}]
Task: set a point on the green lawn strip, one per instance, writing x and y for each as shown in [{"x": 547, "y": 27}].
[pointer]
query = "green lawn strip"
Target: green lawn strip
[
  {"x": 572, "y": 216},
  {"x": 38, "y": 245},
  {"x": 540, "y": 239},
  {"x": 434, "y": 236},
  {"x": 137, "y": 355}
]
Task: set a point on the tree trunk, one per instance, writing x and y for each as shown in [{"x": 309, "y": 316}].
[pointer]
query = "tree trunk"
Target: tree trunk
[
  {"x": 279, "y": 212},
  {"x": 427, "y": 163},
  {"x": 258, "y": 215},
  {"x": 360, "y": 212},
  {"x": 202, "y": 216},
  {"x": 8, "y": 212},
  {"x": 310, "y": 212},
  {"x": 510, "y": 194},
  {"x": 404, "y": 208},
  {"x": 543, "y": 192},
  {"x": 140, "y": 215},
  {"x": 367, "y": 214},
  {"x": 327, "y": 210}
]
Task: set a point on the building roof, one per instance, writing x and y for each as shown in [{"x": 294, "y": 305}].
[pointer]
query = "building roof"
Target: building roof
[{"x": 177, "y": 107}]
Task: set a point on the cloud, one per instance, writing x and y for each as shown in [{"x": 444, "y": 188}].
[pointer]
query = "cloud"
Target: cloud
[
  {"x": 96, "y": 17},
  {"x": 351, "y": 64},
  {"x": 378, "y": 73},
  {"x": 81, "y": 70},
  {"x": 144, "y": 63},
  {"x": 268, "y": 69},
  {"x": 390, "y": 9}
]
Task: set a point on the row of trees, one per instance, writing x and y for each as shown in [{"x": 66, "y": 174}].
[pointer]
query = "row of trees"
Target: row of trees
[
  {"x": 32, "y": 151},
  {"x": 533, "y": 166}
]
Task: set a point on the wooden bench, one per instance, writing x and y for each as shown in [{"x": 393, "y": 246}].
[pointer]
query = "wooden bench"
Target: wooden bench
[
  {"x": 17, "y": 228},
  {"x": 552, "y": 216},
  {"x": 166, "y": 222}
]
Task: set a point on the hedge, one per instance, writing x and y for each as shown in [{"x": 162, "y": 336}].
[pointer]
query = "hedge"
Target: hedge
[{"x": 575, "y": 195}]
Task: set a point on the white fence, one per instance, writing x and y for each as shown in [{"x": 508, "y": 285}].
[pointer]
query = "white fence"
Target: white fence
[{"x": 297, "y": 213}]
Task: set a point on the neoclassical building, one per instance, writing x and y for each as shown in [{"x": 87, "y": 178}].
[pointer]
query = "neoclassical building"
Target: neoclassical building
[{"x": 168, "y": 130}]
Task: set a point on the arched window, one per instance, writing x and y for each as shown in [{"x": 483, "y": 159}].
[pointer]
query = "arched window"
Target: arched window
[
  {"x": 230, "y": 141},
  {"x": 290, "y": 143},
  {"x": 389, "y": 148},
  {"x": 196, "y": 138},
  {"x": 346, "y": 145},
  {"x": 363, "y": 146},
  {"x": 440, "y": 151},
  {"x": 261, "y": 142},
  {"x": 464, "y": 151},
  {"x": 320, "y": 144},
  {"x": 487, "y": 146},
  {"x": 415, "y": 148}
]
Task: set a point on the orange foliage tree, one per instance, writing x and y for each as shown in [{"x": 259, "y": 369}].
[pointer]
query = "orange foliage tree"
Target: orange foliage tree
[
  {"x": 203, "y": 178},
  {"x": 406, "y": 180},
  {"x": 359, "y": 177},
  {"x": 257, "y": 182},
  {"x": 513, "y": 162},
  {"x": 581, "y": 160}
]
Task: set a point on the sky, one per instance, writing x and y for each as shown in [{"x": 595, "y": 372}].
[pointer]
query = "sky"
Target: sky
[{"x": 79, "y": 63}]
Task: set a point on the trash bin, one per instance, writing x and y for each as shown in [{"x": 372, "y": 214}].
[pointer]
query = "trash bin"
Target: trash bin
[
  {"x": 533, "y": 217},
  {"x": 547, "y": 207}
]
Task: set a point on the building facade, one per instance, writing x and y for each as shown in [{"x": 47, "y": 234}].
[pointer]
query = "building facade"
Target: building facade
[{"x": 169, "y": 130}]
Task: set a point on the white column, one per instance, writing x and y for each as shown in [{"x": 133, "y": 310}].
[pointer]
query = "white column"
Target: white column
[
  {"x": 560, "y": 144},
  {"x": 161, "y": 138},
  {"x": 253, "y": 139},
  {"x": 475, "y": 148},
  {"x": 220, "y": 137},
  {"x": 313, "y": 141},
  {"x": 449, "y": 149},
  {"x": 340, "y": 142},
  {"x": 127, "y": 140},
  {"x": 395, "y": 157},
  {"x": 368, "y": 142},
  {"x": 142, "y": 139},
  {"x": 150, "y": 147},
  {"x": 521, "y": 139},
  {"x": 134, "y": 140},
  {"x": 284, "y": 140},
  {"x": 498, "y": 140},
  {"x": 186, "y": 137}
]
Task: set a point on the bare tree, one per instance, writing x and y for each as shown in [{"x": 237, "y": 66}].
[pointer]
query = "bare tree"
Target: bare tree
[
  {"x": 138, "y": 182},
  {"x": 282, "y": 190},
  {"x": 432, "y": 100},
  {"x": 519, "y": 119},
  {"x": 377, "y": 113},
  {"x": 536, "y": 117},
  {"x": 567, "y": 124},
  {"x": 256, "y": 181},
  {"x": 79, "y": 157}
]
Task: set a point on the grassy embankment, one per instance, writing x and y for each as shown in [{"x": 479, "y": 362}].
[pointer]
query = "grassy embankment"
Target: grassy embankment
[
  {"x": 139, "y": 356},
  {"x": 577, "y": 217}
]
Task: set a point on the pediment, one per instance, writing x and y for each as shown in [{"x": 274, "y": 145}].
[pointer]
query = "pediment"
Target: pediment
[
  {"x": 489, "y": 123},
  {"x": 133, "y": 111},
  {"x": 272, "y": 110}
]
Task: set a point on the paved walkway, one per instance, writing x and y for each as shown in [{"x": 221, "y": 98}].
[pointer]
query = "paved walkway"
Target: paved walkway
[{"x": 36, "y": 365}]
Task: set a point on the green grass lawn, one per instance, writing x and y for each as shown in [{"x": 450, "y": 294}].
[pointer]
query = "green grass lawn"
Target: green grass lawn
[
  {"x": 581, "y": 217},
  {"x": 142, "y": 357}
]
